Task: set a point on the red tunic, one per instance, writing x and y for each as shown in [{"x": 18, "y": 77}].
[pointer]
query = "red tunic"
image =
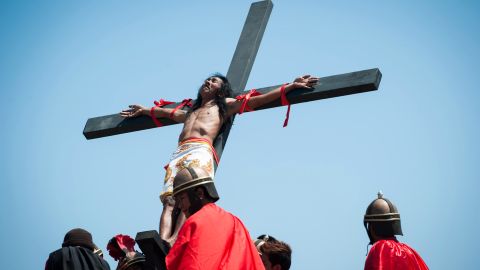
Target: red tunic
[
  {"x": 389, "y": 254},
  {"x": 212, "y": 238}
]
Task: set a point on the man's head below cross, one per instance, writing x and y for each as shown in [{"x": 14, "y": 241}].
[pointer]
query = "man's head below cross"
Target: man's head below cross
[
  {"x": 192, "y": 189},
  {"x": 275, "y": 254}
]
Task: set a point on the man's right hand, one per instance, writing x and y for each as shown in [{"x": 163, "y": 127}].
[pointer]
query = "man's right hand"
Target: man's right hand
[{"x": 134, "y": 111}]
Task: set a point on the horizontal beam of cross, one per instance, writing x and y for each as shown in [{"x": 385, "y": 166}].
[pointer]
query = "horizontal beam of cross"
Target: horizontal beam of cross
[{"x": 328, "y": 87}]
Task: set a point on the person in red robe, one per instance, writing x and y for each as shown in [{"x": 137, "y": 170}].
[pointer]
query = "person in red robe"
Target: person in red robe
[
  {"x": 382, "y": 222},
  {"x": 210, "y": 238}
]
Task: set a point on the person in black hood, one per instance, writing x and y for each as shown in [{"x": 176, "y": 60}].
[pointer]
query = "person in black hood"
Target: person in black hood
[{"x": 77, "y": 253}]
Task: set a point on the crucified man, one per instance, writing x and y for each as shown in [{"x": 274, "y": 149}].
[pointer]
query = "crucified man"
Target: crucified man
[{"x": 208, "y": 117}]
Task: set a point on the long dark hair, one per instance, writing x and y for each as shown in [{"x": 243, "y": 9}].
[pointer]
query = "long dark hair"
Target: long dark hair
[{"x": 224, "y": 92}]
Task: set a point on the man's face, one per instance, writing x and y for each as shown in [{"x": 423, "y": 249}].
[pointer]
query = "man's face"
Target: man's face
[
  {"x": 183, "y": 202},
  {"x": 210, "y": 87}
]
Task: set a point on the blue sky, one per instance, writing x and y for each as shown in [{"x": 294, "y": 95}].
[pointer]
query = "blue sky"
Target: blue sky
[{"x": 416, "y": 139}]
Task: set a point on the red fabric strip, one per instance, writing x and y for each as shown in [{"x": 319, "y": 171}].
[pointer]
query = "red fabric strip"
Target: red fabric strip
[
  {"x": 160, "y": 104},
  {"x": 246, "y": 98},
  {"x": 283, "y": 96},
  {"x": 155, "y": 120},
  {"x": 185, "y": 102}
]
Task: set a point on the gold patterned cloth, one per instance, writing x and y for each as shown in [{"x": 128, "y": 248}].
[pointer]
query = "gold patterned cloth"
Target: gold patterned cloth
[{"x": 194, "y": 152}]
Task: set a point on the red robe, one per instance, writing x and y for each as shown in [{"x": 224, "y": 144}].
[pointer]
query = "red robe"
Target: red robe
[
  {"x": 389, "y": 254},
  {"x": 212, "y": 238}
]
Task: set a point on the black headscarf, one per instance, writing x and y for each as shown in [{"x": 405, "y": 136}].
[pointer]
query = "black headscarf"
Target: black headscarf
[{"x": 75, "y": 258}]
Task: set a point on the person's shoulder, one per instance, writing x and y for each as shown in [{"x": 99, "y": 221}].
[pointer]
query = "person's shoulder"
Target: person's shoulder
[
  {"x": 56, "y": 251},
  {"x": 385, "y": 243},
  {"x": 54, "y": 254},
  {"x": 222, "y": 212},
  {"x": 200, "y": 214},
  {"x": 211, "y": 209}
]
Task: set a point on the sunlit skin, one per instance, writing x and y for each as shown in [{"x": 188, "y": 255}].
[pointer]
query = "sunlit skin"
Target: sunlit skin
[{"x": 204, "y": 122}]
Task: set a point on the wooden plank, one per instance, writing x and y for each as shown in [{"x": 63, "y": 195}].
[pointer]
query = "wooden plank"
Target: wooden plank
[
  {"x": 328, "y": 87},
  {"x": 243, "y": 59}
]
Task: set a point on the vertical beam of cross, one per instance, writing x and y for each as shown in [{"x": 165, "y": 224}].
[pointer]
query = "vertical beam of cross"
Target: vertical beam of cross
[{"x": 244, "y": 57}]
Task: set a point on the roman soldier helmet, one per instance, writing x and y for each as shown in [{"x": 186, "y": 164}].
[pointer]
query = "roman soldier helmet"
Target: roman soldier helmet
[
  {"x": 383, "y": 216},
  {"x": 191, "y": 177}
]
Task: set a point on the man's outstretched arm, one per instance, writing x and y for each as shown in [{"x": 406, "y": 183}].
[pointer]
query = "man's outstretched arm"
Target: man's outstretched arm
[
  {"x": 158, "y": 112},
  {"x": 305, "y": 81}
]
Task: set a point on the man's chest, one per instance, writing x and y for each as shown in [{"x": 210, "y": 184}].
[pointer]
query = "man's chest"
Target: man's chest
[{"x": 204, "y": 115}]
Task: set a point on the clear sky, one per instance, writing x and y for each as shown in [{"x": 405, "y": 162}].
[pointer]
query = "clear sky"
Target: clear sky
[{"x": 416, "y": 138}]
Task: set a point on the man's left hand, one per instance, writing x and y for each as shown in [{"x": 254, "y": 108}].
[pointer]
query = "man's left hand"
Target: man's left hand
[{"x": 305, "y": 81}]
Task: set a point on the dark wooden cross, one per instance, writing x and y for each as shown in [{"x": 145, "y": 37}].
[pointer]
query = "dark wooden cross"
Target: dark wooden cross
[{"x": 238, "y": 73}]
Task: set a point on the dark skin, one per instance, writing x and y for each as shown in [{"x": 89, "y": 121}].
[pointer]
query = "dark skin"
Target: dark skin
[{"x": 374, "y": 236}]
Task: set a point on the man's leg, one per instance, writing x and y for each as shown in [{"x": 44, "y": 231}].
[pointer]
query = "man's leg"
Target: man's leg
[
  {"x": 179, "y": 218},
  {"x": 166, "y": 219},
  {"x": 171, "y": 221}
]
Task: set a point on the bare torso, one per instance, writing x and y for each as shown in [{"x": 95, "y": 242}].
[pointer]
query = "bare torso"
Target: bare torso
[{"x": 205, "y": 122}]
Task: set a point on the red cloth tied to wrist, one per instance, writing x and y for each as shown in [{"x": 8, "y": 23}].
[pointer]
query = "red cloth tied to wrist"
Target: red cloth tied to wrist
[
  {"x": 283, "y": 96},
  {"x": 185, "y": 102},
  {"x": 246, "y": 98},
  {"x": 160, "y": 104}
]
